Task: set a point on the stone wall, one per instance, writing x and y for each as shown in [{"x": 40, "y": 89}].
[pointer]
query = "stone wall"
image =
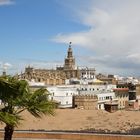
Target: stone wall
[{"x": 85, "y": 101}]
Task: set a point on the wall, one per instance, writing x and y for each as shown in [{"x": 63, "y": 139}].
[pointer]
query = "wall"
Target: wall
[
  {"x": 70, "y": 136},
  {"x": 85, "y": 101}
]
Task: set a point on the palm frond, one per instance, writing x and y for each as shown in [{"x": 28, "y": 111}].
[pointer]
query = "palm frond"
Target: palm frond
[
  {"x": 17, "y": 97},
  {"x": 10, "y": 119},
  {"x": 39, "y": 103}
]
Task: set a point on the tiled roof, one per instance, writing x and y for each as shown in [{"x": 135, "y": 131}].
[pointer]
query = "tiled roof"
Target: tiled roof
[{"x": 120, "y": 89}]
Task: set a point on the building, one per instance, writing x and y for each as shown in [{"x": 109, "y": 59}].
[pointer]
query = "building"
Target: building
[
  {"x": 105, "y": 97},
  {"x": 123, "y": 97},
  {"x": 127, "y": 95},
  {"x": 103, "y": 92},
  {"x": 138, "y": 89},
  {"x": 110, "y": 79},
  {"x": 85, "y": 102},
  {"x": 56, "y": 76},
  {"x": 87, "y": 73},
  {"x": 49, "y": 77},
  {"x": 133, "y": 99},
  {"x": 111, "y": 106},
  {"x": 69, "y": 68},
  {"x": 63, "y": 95}
]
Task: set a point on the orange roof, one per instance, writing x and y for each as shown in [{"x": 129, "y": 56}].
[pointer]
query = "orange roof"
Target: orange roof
[{"x": 120, "y": 89}]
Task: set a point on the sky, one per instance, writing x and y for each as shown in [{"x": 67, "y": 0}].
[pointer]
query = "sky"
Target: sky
[{"x": 105, "y": 34}]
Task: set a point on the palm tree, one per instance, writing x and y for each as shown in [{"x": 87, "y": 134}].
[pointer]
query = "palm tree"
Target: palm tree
[{"x": 16, "y": 97}]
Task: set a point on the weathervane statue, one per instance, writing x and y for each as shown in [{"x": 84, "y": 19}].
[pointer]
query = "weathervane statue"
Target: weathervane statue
[{"x": 70, "y": 44}]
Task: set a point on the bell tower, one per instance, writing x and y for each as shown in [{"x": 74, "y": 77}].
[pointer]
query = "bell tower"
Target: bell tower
[{"x": 69, "y": 60}]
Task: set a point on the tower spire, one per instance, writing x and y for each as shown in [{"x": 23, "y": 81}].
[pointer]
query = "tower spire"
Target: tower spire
[
  {"x": 69, "y": 53},
  {"x": 69, "y": 61}
]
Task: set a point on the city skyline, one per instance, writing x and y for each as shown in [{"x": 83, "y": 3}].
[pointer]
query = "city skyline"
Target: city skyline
[{"x": 104, "y": 34}]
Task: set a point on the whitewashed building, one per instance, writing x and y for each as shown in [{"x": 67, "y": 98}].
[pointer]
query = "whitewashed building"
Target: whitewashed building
[
  {"x": 63, "y": 95},
  {"x": 105, "y": 97},
  {"x": 104, "y": 93}
]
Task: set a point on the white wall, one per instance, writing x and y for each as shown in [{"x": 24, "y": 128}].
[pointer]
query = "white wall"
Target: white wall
[
  {"x": 62, "y": 94},
  {"x": 105, "y": 97}
]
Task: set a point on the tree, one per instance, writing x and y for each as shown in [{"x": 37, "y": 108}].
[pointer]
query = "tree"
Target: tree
[{"x": 16, "y": 97}]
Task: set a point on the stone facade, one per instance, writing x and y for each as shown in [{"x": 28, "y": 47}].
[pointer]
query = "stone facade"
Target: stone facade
[
  {"x": 122, "y": 94},
  {"x": 50, "y": 77},
  {"x": 110, "y": 79},
  {"x": 138, "y": 89},
  {"x": 85, "y": 101},
  {"x": 54, "y": 76},
  {"x": 123, "y": 97}
]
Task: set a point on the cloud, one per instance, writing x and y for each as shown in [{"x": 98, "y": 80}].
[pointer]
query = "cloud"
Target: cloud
[
  {"x": 113, "y": 30},
  {"x": 18, "y": 66},
  {"x": 7, "y": 64},
  {"x": 6, "y": 2}
]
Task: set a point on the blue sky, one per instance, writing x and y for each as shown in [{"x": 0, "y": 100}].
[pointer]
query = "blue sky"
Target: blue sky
[{"x": 105, "y": 34}]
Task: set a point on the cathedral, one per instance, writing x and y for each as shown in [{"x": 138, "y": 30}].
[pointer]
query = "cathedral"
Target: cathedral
[{"x": 54, "y": 76}]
